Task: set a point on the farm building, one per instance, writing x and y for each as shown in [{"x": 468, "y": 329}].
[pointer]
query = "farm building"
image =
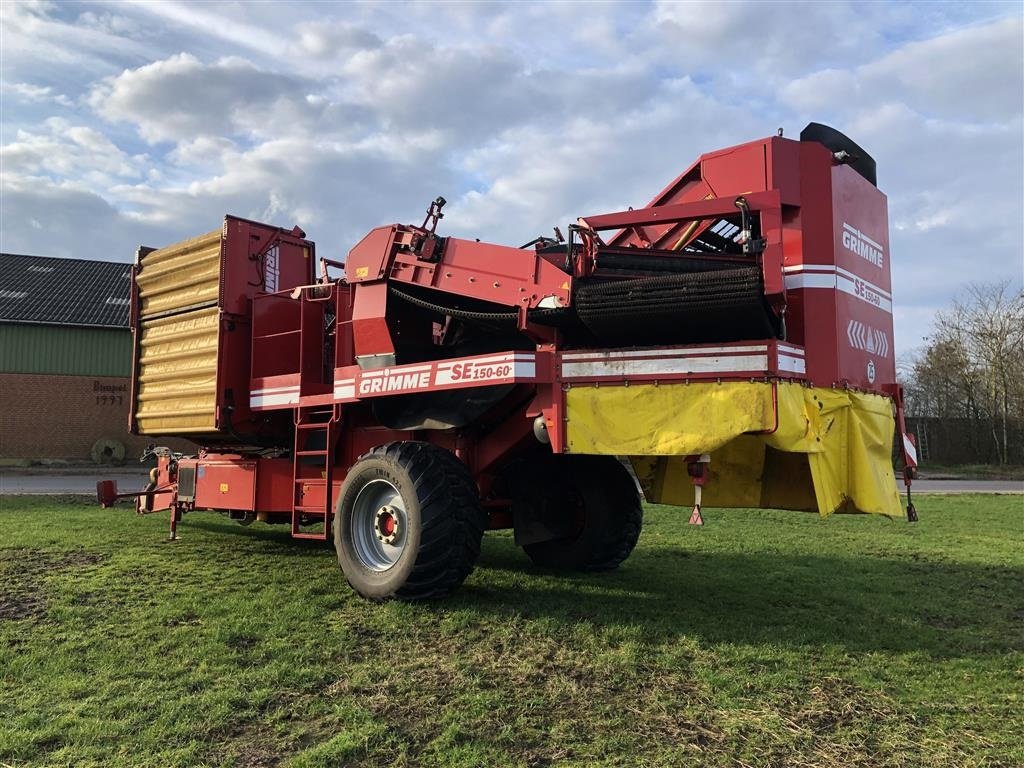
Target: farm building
[{"x": 65, "y": 359}]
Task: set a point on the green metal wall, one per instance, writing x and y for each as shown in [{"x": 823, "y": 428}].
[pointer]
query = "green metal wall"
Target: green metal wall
[{"x": 68, "y": 350}]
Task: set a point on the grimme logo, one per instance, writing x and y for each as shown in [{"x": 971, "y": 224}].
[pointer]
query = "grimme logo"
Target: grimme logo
[
  {"x": 387, "y": 381},
  {"x": 856, "y": 241},
  {"x": 270, "y": 270}
]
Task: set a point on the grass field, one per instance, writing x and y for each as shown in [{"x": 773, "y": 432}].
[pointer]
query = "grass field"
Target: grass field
[{"x": 762, "y": 639}]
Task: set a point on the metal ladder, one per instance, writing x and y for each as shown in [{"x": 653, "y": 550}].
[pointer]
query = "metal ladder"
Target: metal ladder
[
  {"x": 922, "y": 441},
  {"x": 309, "y": 422}
]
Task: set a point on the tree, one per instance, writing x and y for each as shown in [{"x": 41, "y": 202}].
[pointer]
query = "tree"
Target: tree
[{"x": 973, "y": 364}]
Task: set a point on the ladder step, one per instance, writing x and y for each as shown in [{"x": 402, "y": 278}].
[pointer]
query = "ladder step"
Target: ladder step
[
  {"x": 319, "y": 511},
  {"x": 309, "y": 423},
  {"x": 322, "y": 536}
]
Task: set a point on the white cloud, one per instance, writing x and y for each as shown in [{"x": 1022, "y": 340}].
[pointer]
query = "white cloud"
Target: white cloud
[
  {"x": 775, "y": 40},
  {"x": 55, "y": 220},
  {"x": 181, "y": 98},
  {"x": 36, "y": 93},
  {"x": 221, "y": 22},
  {"x": 329, "y": 40},
  {"x": 35, "y": 40},
  {"x": 536, "y": 177},
  {"x": 68, "y": 152},
  {"x": 971, "y": 74}
]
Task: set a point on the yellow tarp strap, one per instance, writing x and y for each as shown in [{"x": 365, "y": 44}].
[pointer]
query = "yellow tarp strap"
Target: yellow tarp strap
[{"x": 829, "y": 450}]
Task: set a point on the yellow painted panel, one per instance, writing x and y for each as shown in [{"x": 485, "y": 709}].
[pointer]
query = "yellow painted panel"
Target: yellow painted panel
[
  {"x": 831, "y": 451},
  {"x": 183, "y": 275},
  {"x": 177, "y": 384}
]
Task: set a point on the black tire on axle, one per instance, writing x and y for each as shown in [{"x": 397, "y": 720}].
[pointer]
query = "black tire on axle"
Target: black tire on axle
[
  {"x": 599, "y": 505},
  {"x": 439, "y": 523}
]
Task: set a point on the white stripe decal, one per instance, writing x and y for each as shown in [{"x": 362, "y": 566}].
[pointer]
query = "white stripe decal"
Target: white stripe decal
[
  {"x": 265, "y": 401},
  {"x": 624, "y": 368},
  {"x": 910, "y": 449},
  {"x": 809, "y": 268},
  {"x": 271, "y": 390},
  {"x": 470, "y": 371},
  {"x": 791, "y": 350},
  {"x": 524, "y": 357},
  {"x": 829, "y": 269},
  {"x": 811, "y": 280},
  {"x": 792, "y": 364},
  {"x": 486, "y": 370},
  {"x": 854, "y": 276},
  {"x": 858, "y": 287},
  {"x": 525, "y": 370},
  {"x": 660, "y": 353},
  {"x": 863, "y": 290}
]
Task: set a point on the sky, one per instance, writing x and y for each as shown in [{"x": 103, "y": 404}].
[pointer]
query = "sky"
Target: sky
[{"x": 145, "y": 122}]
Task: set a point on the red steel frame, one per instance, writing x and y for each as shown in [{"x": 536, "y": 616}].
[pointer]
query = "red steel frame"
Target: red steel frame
[{"x": 809, "y": 207}]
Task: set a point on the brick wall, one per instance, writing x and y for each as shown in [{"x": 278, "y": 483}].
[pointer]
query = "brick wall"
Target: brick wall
[{"x": 47, "y": 416}]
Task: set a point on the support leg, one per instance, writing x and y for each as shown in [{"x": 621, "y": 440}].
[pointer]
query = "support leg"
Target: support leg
[
  {"x": 697, "y": 468},
  {"x": 695, "y": 516},
  {"x": 911, "y": 511}
]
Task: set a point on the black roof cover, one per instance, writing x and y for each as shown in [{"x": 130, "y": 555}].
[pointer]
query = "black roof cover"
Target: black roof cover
[
  {"x": 834, "y": 141},
  {"x": 40, "y": 289}
]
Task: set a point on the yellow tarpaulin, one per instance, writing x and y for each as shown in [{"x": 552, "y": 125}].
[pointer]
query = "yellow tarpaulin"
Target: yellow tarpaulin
[{"x": 772, "y": 445}]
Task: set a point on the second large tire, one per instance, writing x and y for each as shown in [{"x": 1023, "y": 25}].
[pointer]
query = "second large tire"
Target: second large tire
[
  {"x": 595, "y": 504},
  {"x": 408, "y": 523}
]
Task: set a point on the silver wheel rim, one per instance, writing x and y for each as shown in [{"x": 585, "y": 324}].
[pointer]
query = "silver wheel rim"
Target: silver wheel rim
[{"x": 379, "y": 525}]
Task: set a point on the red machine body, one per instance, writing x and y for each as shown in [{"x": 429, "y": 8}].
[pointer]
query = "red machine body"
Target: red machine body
[{"x": 473, "y": 346}]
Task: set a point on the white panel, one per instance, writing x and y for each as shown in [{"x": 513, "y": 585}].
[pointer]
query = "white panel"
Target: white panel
[
  {"x": 792, "y": 364},
  {"x": 675, "y": 352},
  {"x": 626, "y": 368}
]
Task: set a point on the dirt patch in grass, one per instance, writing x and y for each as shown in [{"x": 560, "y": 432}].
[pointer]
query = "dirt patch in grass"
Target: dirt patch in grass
[
  {"x": 421, "y": 683},
  {"x": 246, "y": 747},
  {"x": 256, "y": 756},
  {"x": 241, "y": 643},
  {"x": 24, "y": 572},
  {"x": 18, "y": 606},
  {"x": 32, "y": 562}
]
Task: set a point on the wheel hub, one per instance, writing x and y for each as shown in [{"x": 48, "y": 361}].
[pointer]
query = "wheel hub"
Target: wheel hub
[
  {"x": 386, "y": 525},
  {"x": 378, "y": 524}
]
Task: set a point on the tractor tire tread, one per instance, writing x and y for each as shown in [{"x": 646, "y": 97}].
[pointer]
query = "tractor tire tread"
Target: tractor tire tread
[
  {"x": 451, "y": 520},
  {"x": 620, "y": 521}
]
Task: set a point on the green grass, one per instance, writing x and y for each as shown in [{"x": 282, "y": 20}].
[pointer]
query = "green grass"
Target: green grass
[{"x": 762, "y": 639}]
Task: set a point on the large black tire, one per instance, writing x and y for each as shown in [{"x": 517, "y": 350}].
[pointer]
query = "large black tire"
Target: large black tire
[
  {"x": 435, "y": 518},
  {"x": 595, "y": 501}
]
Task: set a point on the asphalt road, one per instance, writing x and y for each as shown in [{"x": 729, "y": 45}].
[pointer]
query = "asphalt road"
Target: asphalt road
[
  {"x": 17, "y": 482},
  {"x": 12, "y": 482},
  {"x": 967, "y": 486}
]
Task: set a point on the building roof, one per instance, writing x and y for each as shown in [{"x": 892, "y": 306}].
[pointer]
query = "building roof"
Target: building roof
[{"x": 40, "y": 289}]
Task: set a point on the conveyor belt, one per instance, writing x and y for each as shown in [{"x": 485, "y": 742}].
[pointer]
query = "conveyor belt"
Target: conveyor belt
[{"x": 717, "y": 306}]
